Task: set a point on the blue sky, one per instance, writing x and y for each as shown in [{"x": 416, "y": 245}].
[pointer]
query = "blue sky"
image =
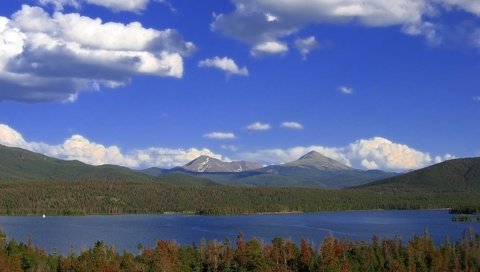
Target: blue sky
[{"x": 376, "y": 84}]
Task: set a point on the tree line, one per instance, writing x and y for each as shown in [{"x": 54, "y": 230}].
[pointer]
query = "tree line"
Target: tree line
[
  {"x": 97, "y": 197},
  {"x": 332, "y": 255}
]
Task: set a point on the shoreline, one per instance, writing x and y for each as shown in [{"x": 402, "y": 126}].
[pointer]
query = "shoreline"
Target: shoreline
[{"x": 204, "y": 215}]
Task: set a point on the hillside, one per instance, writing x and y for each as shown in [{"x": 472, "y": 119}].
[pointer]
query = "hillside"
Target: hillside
[
  {"x": 17, "y": 164},
  {"x": 452, "y": 175}
]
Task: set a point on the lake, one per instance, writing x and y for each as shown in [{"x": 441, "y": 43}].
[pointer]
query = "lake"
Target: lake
[{"x": 126, "y": 231}]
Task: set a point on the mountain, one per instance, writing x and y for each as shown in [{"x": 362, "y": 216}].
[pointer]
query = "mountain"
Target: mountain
[
  {"x": 205, "y": 164},
  {"x": 453, "y": 175},
  {"x": 17, "y": 164},
  {"x": 312, "y": 170},
  {"x": 318, "y": 161}
]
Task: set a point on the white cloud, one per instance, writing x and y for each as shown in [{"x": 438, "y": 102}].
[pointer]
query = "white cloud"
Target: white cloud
[
  {"x": 10, "y": 137},
  {"x": 476, "y": 98},
  {"x": 53, "y": 58},
  {"x": 269, "y": 47},
  {"x": 249, "y": 21},
  {"x": 373, "y": 153},
  {"x": 304, "y": 46},
  {"x": 225, "y": 64},
  {"x": 60, "y": 4},
  {"x": 80, "y": 148},
  {"x": 425, "y": 29},
  {"x": 446, "y": 157},
  {"x": 291, "y": 125},
  {"x": 345, "y": 90},
  {"x": 279, "y": 156},
  {"x": 472, "y": 6},
  {"x": 229, "y": 147},
  {"x": 124, "y": 5},
  {"x": 258, "y": 126},
  {"x": 220, "y": 135},
  {"x": 381, "y": 153},
  {"x": 115, "y": 5},
  {"x": 270, "y": 17}
]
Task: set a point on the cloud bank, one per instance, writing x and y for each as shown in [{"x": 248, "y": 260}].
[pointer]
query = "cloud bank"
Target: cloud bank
[
  {"x": 373, "y": 153},
  {"x": 80, "y": 148},
  {"x": 54, "y": 57}
]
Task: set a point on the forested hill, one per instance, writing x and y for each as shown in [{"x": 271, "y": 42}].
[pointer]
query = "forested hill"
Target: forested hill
[
  {"x": 452, "y": 175},
  {"x": 17, "y": 164}
]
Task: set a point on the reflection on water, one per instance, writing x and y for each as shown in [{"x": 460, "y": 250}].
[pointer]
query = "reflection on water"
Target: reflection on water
[{"x": 126, "y": 231}]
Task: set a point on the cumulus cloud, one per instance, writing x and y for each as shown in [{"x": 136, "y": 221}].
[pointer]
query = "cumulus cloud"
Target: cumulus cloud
[
  {"x": 80, "y": 148},
  {"x": 382, "y": 153},
  {"x": 304, "y": 46},
  {"x": 345, "y": 90},
  {"x": 47, "y": 57},
  {"x": 225, "y": 64},
  {"x": 115, "y": 5},
  {"x": 258, "y": 126},
  {"x": 373, "y": 153},
  {"x": 291, "y": 125},
  {"x": 269, "y": 47},
  {"x": 220, "y": 135},
  {"x": 476, "y": 98},
  {"x": 256, "y": 22}
]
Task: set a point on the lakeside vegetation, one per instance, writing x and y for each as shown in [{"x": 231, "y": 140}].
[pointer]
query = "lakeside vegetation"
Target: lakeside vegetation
[
  {"x": 417, "y": 254},
  {"x": 103, "y": 197},
  {"x": 465, "y": 214}
]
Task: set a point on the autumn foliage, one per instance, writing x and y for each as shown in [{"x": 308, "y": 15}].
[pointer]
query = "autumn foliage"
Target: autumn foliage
[{"x": 333, "y": 255}]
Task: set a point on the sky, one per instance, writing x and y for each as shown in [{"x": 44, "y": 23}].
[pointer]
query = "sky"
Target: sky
[{"x": 376, "y": 84}]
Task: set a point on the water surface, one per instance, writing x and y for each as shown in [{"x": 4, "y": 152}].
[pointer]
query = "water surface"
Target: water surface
[{"x": 126, "y": 231}]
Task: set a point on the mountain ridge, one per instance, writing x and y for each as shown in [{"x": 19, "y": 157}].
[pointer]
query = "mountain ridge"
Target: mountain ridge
[
  {"x": 17, "y": 164},
  {"x": 456, "y": 174},
  {"x": 205, "y": 163},
  {"x": 312, "y": 170}
]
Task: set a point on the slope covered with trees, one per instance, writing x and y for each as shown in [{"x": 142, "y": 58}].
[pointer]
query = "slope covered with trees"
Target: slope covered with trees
[
  {"x": 17, "y": 164},
  {"x": 418, "y": 254},
  {"x": 452, "y": 175},
  {"x": 93, "y": 197}
]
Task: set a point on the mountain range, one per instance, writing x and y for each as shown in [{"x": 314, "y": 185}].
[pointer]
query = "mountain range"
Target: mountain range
[{"x": 313, "y": 170}]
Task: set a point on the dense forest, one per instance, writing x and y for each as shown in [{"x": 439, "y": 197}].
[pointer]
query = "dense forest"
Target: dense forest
[
  {"x": 94, "y": 197},
  {"x": 418, "y": 254}
]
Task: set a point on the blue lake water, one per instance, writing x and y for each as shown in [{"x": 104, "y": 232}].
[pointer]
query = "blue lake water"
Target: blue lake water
[{"x": 126, "y": 231}]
